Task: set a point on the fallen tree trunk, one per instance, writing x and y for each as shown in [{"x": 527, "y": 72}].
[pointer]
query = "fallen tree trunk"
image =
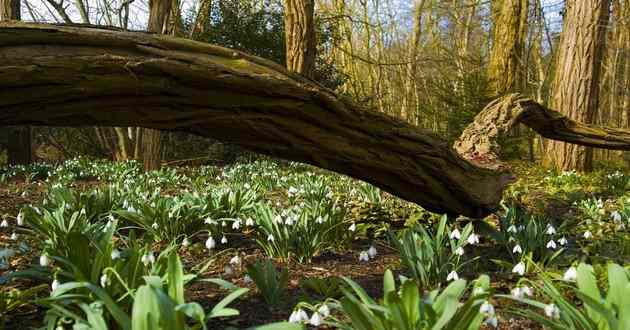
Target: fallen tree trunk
[{"x": 75, "y": 76}]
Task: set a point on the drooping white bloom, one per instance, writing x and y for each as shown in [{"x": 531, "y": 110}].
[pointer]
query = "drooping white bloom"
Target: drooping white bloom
[
  {"x": 352, "y": 227},
  {"x": 519, "y": 268},
  {"x": 236, "y": 224},
  {"x": 521, "y": 292},
  {"x": 616, "y": 216},
  {"x": 270, "y": 238},
  {"x": 148, "y": 258},
  {"x": 316, "y": 319},
  {"x": 20, "y": 219},
  {"x": 247, "y": 279},
  {"x": 14, "y": 237},
  {"x": 292, "y": 191},
  {"x": 492, "y": 321},
  {"x": 55, "y": 284},
  {"x": 249, "y": 222},
  {"x": 563, "y": 241},
  {"x": 210, "y": 221},
  {"x": 551, "y": 244},
  {"x": 570, "y": 275},
  {"x": 224, "y": 240},
  {"x": 228, "y": 271},
  {"x": 299, "y": 316},
  {"x": 185, "y": 242},
  {"x": 4, "y": 224},
  {"x": 289, "y": 221},
  {"x": 372, "y": 252},
  {"x": 104, "y": 280},
  {"x": 517, "y": 249},
  {"x": 473, "y": 239},
  {"x": 459, "y": 251},
  {"x": 512, "y": 229},
  {"x": 210, "y": 243},
  {"x": 486, "y": 308},
  {"x": 235, "y": 260},
  {"x": 551, "y": 230},
  {"x": 363, "y": 256},
  {"x": 452, "y": 276},
  {"x": 155, "y": 226},
  {"x": 43, "y": 260},
  {"x": 455, "y": 234},
  {"x": 319, "y": 220},
  {"x": 588, "y": 234},
  {"x": 115, "y": 254},
  {"x": 324, "y": 310},
  {"x": 552, "y": 311}
]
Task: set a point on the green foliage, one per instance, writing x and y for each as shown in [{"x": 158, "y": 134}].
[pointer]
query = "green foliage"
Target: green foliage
[
  {"x": 406, "y": 308},
  {"x": 430, "y": 255},
  {"x": 12, "y": 299},
  {"x": 271, "y": 283},
  {"x": 323, "y": 288}
]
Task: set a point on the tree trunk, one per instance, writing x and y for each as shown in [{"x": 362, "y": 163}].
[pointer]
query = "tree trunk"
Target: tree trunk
[
  {"x": 50, "y": 77},
  {"x": 505, "y": 67},
  {"x": 202, "y": 20},
  {"x": 20, "y": 148},
  {"x": 299, "y": 26},
  {"x": 576, "y": 83}
]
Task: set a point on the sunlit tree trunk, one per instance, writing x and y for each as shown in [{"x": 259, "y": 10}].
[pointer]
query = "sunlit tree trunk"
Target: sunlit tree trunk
[
  {"x": 299, "y": 28},
  {"x": 202, "y": 20},
  {"x": 576, "y": 82}
]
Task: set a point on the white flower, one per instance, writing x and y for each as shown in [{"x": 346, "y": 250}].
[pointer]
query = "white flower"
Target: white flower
[
  {"x": 224, "y": 240},
  {"x": 270, "y": 238},
  {"x": 492, "y": 321},
  {"x": 228, "y": 271},
  {"x": 247, "y": 279},
  {"x": 517, "y": 249},
  {"x": 519, "y": 268},
  {"x": 563, "y": 241},
  {"x": 459, "y": 251},
  {"x": 235, "y": 260},
  {"x": 20, "y": 219},
  {"x": 363, "y": 256},
  {"x": 324, "y": 310},
  {"x": 552, "y": 311},
  {"x": 148, "y": 258},
  {"x": 154, "y": 225},
  {"x": 477, "y": 291},
  {"x": 570, "y": 274},
  {"x": 551, "y": 244},
  {"x": 43, "y": 260},
  {"x": 372, "y": 252},
  {"x": 512, "y": 229},
  {"x": 588, "y": 234},
  {"x": 616, "y": 216},
  {"x": 104, "y": 280},
  {"x": 210, "y": 221},
  {"x": 486, "y": 308},
  {"x": 237, "y": 224},
  {"x": 473, "y": 239},
  {"x": 520, "y": 292},
  {"x": 210, "y": 243},
  {"x": 55, "y": 284},
  {"x": 249, "y": 222},
  {"x": 551, "y": 230},
  {"x": 277, "y": 219},
  {"x": 14, "y": 236},
  {"x": 4, "y": 224},
  {"x": 185, "y": 242},
  {"x": 352, "y": 227},
  {"x": 319, "y": 220},
  {"x": 115, "y": 254},
  {"x": 289, "y": 221},
  {"x": 292, "y": 191},
  {"x": 455, "y": 234},
  {"x": 298, "y": 316},
  {"x": 452, "y": 276},
  {"x": 316, "y": 319}
]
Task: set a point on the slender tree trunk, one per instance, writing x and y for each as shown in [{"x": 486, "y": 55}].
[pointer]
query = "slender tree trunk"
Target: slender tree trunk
[
  {"x": 20, "y": 148},
  {"x": 299, "y": 28},
  {"x": 576, "y": 83},
  {"x": 202, "y": 20}
]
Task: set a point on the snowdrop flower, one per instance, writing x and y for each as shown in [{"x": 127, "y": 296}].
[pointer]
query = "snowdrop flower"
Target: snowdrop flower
[
  {"x": 473, "y": 239},
  {"x": 521, "y": 292},
  {"x": 519, "y": 268},
  {"x": 210, "y": 221},
  {"x": 588, "y": 234},
  {"x": 228, "y": 271},
  {"x": 616, "y": 216},
  {"x": 104, "y": 280},
  {"x": 247, "y": 279},
  {"x": 4, "y": 224},
  {"x": 235, "y": 260},
  {"x": 570, "y": 275},
  {"x": 224, "y": 240},
  {"x": 223, "y": 223},
  {"x": 115, "y": 254},
  {"x": 512, "y": 229},
  {"x": 486, "y": 308},
  {"x": 492, "y": 321},
  {"x": 372, "y": 252},
  {"x": 363, "y": 256},
  {"x": 289, "y": 221},
  {"x": 316, "y": 320},
  {"x": 154, "y": 225},
  {"x": 298, "y": 316},
  {"x": 455, "y": 234},
  {"x": 270, "y": 238},
  {"x": 517, "y": 249},
  {"x": 210, "y": 243},
  {"x": 352, "y": 227},
  {"x": 55, "y": 284},
  {"x": 148, "y": 258},
  {"x": 185, "y": 242},
  {"x": 43, "y": 260},
  {"x": 324, "y": 310},
  {"x": 292, "y": 191},
  {"x": 237, "y": 224},
  {"x": 563, "y": 241},
  {"x": 452, "y": 276},
  {"x": 459, "y": 251},
  {"x": 551, "y": 230},
  {"x": 249, "y": 222},
  {"x": 551, "y": 244},
  {"x": 552, "y": 311},
  {"x": 20, "y": 219},
  {"x": 14, "y": 237},
  {"x": 319, "y": 220}
]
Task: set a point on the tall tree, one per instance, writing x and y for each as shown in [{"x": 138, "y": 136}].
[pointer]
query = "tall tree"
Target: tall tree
[
  {"x": 20, "y": 148},
  {"x": 505, "y": 67},
  {"x": 576, "y": 82},
  {"x": 299, "y": 25}
]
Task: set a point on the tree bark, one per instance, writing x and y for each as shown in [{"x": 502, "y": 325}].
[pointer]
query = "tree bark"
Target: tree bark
[
  {"x": 202, "y": 20},
  {"x": 77, "y": 76},
  {"x": 299, "y": 26},
  {"x": 576, "y": 83}
]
